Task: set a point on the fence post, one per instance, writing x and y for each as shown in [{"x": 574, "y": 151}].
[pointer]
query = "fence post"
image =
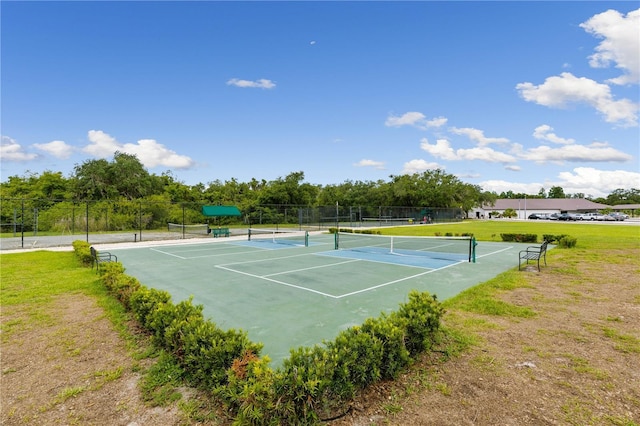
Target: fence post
[{"x": 87, "y": 219}]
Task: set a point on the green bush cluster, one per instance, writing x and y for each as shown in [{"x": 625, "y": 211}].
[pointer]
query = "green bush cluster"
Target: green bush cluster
[
  {"x": 520, "y": 238},
  {"x": 82, "y": 249},
  {"x": 313, "y": 383},
  {"x": 567, "y": 242},
  {"x": 562, "y": 240},
  {"x": 451, "y": 234},
  {"x": 333, "y": 230}
]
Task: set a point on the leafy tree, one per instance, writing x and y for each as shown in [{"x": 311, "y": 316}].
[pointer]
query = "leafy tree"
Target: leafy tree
[
  {"x": 124, "y": 177},
  {"x": 556, "y": 192},
  {"x": 542, "y": 193}
]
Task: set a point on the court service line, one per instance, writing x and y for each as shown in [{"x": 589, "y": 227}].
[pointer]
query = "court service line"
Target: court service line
[
  {"x": 277, "y": 282},
  {"x": 393, "y": 282},
  {"x": 269, "y": 259},
  {"x": 168, "y": 254},
  {"x": 313, "y": 267},
  {"x": 495, "y": 252}
]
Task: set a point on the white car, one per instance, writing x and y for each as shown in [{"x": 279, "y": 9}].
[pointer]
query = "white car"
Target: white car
[{"x": 593, "y": 216}]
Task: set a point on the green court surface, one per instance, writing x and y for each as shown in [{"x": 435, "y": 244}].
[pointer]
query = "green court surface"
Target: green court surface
[{"x": 287, "y": 296}]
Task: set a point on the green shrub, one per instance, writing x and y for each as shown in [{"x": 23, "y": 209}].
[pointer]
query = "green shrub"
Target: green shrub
[
  {"x": 395, "y": 355},
  {"x": 123, "y": 286},
  {"x": 519, "y": 238},
  {"x": 551, "y": 238},
  {"x": 110, "y": 273},
  {"x": 144, "y": 302},
  {"x": 250, "y": 393},
  {"x": 208, "y": 351},
  {"x": 567, "y": 242},
  {"x": 420, "y": 318},
  {"x": 358, "y": 360},
  {"x": 82, "y": 249}
]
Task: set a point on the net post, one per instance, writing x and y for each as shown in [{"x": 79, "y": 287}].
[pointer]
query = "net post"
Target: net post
[
  {"x": 306, "y": 238},
  {"x": 336, "y": 244},
  {"x": 473, "y": 249},
  {"x": 249, "y": 234}
]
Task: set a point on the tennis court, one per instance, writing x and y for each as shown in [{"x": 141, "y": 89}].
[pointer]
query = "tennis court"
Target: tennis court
[{"x": 300, "y": 290}]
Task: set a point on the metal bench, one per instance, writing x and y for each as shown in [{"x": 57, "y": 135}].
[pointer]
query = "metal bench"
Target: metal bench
[
  {"x": 533, "y": 253},
  {"x": 101, "y": 257},
  {"x": 219, "y": 232}
]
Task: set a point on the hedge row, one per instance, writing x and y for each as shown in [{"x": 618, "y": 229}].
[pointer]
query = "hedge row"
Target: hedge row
[
  {"x": 562, "y": 240},
  {"x": 312, "y": 385}
]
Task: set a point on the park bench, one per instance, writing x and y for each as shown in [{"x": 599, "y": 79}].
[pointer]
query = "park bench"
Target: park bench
[
  {"x": 533, "y": 253},
  {"x": 219, "y": 232},
  {"x": 101, "y": 257}
]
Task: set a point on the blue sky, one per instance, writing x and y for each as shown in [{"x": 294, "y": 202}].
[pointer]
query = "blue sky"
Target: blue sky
[{"x": 505, "y": 95}]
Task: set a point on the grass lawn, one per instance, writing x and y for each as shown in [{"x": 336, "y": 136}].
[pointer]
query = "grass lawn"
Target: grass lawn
[{"x": 484, "y": 322}]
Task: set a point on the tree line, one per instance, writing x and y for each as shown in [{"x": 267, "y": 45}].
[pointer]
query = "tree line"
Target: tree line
[{"x": 125, "y": 178}]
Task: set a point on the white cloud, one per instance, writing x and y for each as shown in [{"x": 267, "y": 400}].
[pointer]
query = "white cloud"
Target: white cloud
[
  {"x": 260, "y": 84},
  {"x": 419, "y": 166},
  {"x": 58, "y": 149},
  {"x": 442, "y": 149},
  {"x": 513, "y": 168},
  {"x": 596, "y": 152},
  {"x": 150, "y": 153},
  {"x": 499, "y": 186},
  {"x": 558, "y": 91},
  {"x": 586, "y": 180},
  {"x": 596, "y": 182},
  {"x": 153, "y": 154},
  {"x": 477, "y": 136},
  {"x": 545, "y": 133},
  {"x": 370, "y": 163},
  {"x": 620, "y": 43},
  {"x": 415, "y": 119},
  {"x": 10, "y": 150}
]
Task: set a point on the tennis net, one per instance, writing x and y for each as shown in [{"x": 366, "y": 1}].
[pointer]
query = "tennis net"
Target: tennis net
[
  {"x": 449, "y": 248},
  {"x": 198, "y": 229},
  {"x": 279, "y": 236}
]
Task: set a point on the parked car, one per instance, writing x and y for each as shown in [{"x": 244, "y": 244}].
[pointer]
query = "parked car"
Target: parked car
[
  {"x": 593, "y": 216},
  {"x": 619, "y": 216},
  {"x": 554, "y": 216},
  {"x": 568, "y": 216},
  {"x": 538, "y": 216},
  {"x": 609, "y": 218}
]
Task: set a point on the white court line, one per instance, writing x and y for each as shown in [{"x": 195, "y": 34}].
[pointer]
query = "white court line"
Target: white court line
[
  {"x": 394, "y": 281},
  {"x": 277, "y": 282},
  {"x": 168, "y": 254},
  {"x": 495, "y": 252},
  {"x": 266, "y": 277},
  {"x": 314, "y": 267},
  {"x": 268, "y": 260},
  {"x": 384, "y": 262}
]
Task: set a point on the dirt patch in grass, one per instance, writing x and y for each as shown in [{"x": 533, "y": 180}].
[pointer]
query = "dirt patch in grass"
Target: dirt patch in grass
[
  {"x": 575, "y": 362},
  {"x": 72, "y": 367}
]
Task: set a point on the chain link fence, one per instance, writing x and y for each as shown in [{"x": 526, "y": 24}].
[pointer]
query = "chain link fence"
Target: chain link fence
[{"x": 37, "y": 223}]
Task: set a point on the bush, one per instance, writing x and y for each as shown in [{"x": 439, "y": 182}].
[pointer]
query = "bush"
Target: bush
[
  {"x": 82, "y": 249},
  {"x": 144, "y": 302},
  {"x": 567, "y": 242},
  {"x": 520, "y": 238},
  {"x": 420, "y": 318},
  {"x": 551, "y": 238},
  {"x": 313, "y": 381}
]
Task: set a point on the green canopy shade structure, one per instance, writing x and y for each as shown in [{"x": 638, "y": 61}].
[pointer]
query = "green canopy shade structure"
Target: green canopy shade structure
[{"x": 219, "y": 211}]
